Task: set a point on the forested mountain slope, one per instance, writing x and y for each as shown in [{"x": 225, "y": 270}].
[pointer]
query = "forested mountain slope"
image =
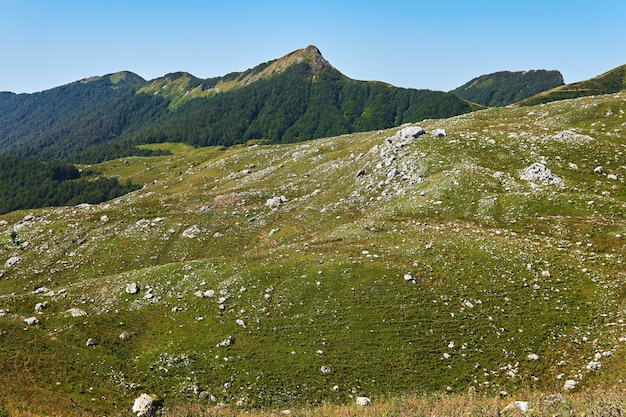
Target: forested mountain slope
[{"x": 506, "y": 87}]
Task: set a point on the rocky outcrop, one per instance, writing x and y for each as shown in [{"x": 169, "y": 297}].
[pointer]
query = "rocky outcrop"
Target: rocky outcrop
[{"x": 539, "y": 173}]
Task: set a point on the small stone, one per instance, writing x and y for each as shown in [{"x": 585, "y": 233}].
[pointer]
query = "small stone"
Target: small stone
[
  {"x": 90, "y": 342},
  {"x": 132, "y": 288},
  {"x": 570, "y": 384},
  {"x": 363, "y": 401},
  {"x": 13, "y": 260},
  {"x": 31, "y": 321}
]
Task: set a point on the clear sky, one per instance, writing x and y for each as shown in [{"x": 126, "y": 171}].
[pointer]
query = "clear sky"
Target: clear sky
[{"x": 435, "y": 44}]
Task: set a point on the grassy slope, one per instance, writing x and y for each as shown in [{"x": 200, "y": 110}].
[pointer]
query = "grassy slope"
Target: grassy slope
[{"x": 325, "y": 271}]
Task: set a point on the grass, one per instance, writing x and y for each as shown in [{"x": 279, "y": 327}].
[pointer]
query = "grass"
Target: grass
[{"x": 500, "y": 270}]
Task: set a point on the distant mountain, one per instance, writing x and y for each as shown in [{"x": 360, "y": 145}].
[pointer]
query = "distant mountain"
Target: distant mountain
[
  {"x": 506, "y": 87},
  {"x": 297, "y": 97},
  {"x": 65, "y": 121},
  {"x": 608, "y": 83}
]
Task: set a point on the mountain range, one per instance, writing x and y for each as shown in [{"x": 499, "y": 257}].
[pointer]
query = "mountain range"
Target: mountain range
[{"x": 297, "y": 97}]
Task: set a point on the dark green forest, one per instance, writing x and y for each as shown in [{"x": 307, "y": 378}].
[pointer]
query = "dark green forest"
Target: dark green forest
[
  {"x": 297, "y": 105},
  {"x": 505, "y": 87},
  {"x": 27, "y": 183},
  {"x": 106, "y": 118}
]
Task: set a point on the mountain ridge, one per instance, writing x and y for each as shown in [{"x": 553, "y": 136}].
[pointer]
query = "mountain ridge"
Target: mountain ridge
[
  {"x": 502, "y": 88},
  {"x": 297, "y": 97},
  {"x": 610, "y": 82}
]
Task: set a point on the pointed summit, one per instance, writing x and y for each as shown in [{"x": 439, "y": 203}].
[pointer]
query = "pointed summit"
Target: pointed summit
[{"x": 310, "y": 54}]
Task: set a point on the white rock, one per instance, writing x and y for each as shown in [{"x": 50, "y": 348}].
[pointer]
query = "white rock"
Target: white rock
[
  {"x": 90, "y": 342},
  {"x": 540, "y": 173},
  {"x": 31, "y": 321},
  {"x": 191, "y": 232},
  {"x": 336, "y": 388},
  {"x": 532, "y": 357},
  {"x": 410, "y": 132},
  {"x": 132, "y": 288},
  {"x": 363, "y": 401},
  {"x": 75, "y": 312},
  {"x": 438, "y": 133},
  {"x": 241, "y": 323},
  {"x": 517, "y": 405},
  {"x": 325, "y": 369},
  {"x": 594, "y": 366},
  {"x": 276, "y": 202},
  {"x": 13, "y": 260},
  {"x": 570, "y": 384},
  {"x": 145, "y": 406},
  {"x": 125, "y": 336}
]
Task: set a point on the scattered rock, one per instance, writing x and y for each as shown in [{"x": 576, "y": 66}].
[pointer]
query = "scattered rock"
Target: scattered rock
[
  {"x": 191, "y": 232},
  {"x": 363, "y": 401},
  {"x": 594, "y": 366},
  {"x": 599, "y": 170},
  {"x": 125, "y": 336},
  {"x": 498, "y": 175},
  {"x": 439, "y": 133},
  {"x": 276, "y": 202},
  {"x": 325, "y": 369},
  {"x": 90, "y": 342},
  {"x": 132, "y": 288},
  {"x": 241, "y": 323},
  {"x": 41, "y": 306},
  {"x": 540, "y": 173},
  {"x": 229, "y": 341},
  {"x": 13, "y": 260},
  {"x": 568, "y": 135},
  {"x": 570, "y": 384},
  {"x": 410, "y": 132},
  {"x": 146, "y": 405},
  {"x": 532, "y": 357},
  {"x": 31, "y": 321},
  {"x": 75, "y": 312},
  {"x": 517, "y": 405}
]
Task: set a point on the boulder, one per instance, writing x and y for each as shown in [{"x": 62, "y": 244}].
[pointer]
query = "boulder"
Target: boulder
[
  {"x": 13, "y": 260},
  {"x": 31, "y": 321},
  {"x": 191, "y": 232},
  {"x": 540, "y": 173},
  {"x": 75, "y": 312},
  {"x": 570, "y": 384},
  {"x": 132, "y": 288},
  {"x": 276, "y": 202},
  {"x": 410, "y": 132},
  {"x": 517, "y": 405},
  {"x": 363, "y": 401},
  {"x": 146, "y": 405},
  {"x": 599, "y": 170},
  {"x": 439, "y": 133}
]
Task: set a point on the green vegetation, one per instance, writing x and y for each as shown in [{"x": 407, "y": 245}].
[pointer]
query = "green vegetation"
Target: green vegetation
[
  {"x": 443, "y": 279},
  {"x": 296, "y": 98},
  {"x": 608, "y": 83},
  {"x": 503, "y": 88},
  {"x": 27, "y": 183}
]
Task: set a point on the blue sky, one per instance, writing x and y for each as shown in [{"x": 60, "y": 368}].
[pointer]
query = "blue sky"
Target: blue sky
[{"x": 434, "y": 44}]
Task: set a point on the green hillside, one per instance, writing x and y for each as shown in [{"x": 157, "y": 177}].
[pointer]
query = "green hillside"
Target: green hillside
[
  {"x": 505, "y": 87},
  {"x": 486, "y": 258},
  {"x": 608, "y": 83}
]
